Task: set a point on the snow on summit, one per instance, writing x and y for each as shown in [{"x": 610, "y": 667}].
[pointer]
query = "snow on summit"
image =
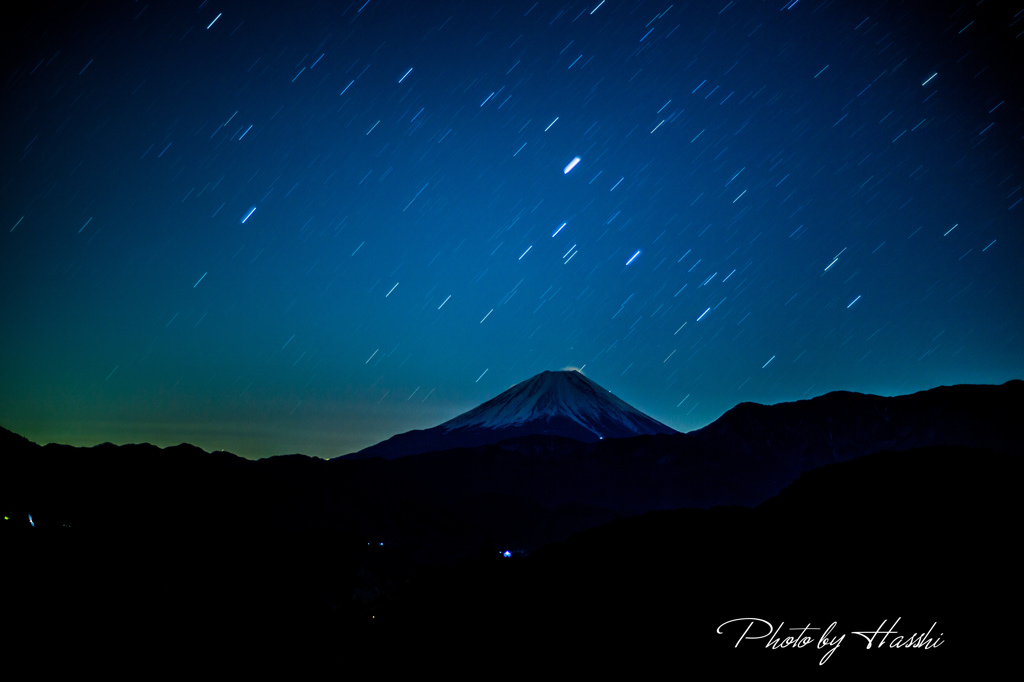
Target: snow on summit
[
  {"x": 564, "y": 394},
  {"x": 564, "y": 403}
]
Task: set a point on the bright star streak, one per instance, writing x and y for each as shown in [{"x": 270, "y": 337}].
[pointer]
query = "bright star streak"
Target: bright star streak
[{"x": 572, "y": 164}]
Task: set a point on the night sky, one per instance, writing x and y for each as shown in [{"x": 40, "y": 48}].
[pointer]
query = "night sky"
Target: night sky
[{"x": 271, "y": 230}]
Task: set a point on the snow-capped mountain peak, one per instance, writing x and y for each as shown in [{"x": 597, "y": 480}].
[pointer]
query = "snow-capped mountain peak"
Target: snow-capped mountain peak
[
  {"x": 564, "y": 404},
  {"x": 566, "y": 394}
]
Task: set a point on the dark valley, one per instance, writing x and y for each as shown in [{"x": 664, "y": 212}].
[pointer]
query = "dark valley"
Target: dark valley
[{"x": 846, "y": 507}]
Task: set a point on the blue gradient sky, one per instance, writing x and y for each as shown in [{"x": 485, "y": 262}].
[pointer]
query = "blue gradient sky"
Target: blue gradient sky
[{"x": 774, "y": 200}]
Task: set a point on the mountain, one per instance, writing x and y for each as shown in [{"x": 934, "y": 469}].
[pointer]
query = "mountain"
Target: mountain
[
  {"x": 707, "y": 524},
  {"x": 562, "y": 404}
]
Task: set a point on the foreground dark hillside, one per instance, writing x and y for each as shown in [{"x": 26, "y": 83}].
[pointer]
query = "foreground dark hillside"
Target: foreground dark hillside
[
  {"x": 926, "y": 536},
  {"x": 844, "y": 508}
]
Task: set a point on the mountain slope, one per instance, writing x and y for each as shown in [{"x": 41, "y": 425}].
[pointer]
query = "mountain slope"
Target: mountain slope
[
  {"x": 158, "y": 536},
  {"x": 562, "y": 404}
]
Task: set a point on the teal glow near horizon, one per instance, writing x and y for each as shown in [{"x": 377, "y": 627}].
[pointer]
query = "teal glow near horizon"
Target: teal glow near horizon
[{"x": 270, "y": 230}]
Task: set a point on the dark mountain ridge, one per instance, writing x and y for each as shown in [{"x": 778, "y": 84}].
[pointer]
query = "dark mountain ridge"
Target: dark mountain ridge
[
  {"x": 745, "y": 457},
  {"x": 298, "y": 539}
]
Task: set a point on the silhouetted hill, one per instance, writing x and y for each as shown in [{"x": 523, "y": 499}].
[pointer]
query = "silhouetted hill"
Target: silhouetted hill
[
  {"x": 921, "y": 535},
  {"x": 610, "y": 537}
]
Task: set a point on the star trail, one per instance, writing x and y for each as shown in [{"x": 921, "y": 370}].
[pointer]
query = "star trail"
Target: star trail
[{"x": 272, "y": 227}]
